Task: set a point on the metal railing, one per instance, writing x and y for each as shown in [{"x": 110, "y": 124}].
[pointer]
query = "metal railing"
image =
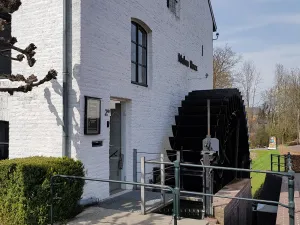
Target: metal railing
[
  {"x": 176, "y": 192},
  {"x": 163, "y": 187},
  {"x": 290, "y": 174},
  {"x": 276, "y": 162}
]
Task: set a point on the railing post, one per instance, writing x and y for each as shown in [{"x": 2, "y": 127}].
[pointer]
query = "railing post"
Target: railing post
[
  {"x": 174, "y": 208},
  {"x": 134, "y": 162},
  {"x": 177, "y": 184},
  {"x": 278, "y": 163},
  {"x": 204, "y": 191},
  {"x": 271, "y": 162},
  {"x": 162, "y": 178},
  {"x": 143, "y": 187},
  {"x": 291, "y": 187}
]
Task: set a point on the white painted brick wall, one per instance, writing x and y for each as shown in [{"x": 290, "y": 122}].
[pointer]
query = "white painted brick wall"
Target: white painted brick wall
[
  {"x": 106, "y": 72},
  {"x": 34, "y": 127},
  {"x": 36, "y": 117},
  {"x": 101, "y": 67}
]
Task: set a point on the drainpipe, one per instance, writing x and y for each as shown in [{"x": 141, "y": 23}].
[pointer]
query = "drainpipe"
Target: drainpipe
[{"x": 65, "y": 141}]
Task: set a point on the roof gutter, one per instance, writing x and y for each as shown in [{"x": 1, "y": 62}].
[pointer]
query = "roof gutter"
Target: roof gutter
[
  {"x": 66, "y": 78},
  {"x": 213, "y": 17}
]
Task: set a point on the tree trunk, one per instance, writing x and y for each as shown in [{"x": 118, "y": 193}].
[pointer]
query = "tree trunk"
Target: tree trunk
[{"x": 298, "y": 126}]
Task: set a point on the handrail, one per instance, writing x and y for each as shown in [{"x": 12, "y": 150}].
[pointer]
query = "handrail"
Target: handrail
[
  {"x": 175, "y": 216},
  {"x": 222, "y": 168},
  {"x": 290, "y": 174},
  {"x": 238, "y": 198}
]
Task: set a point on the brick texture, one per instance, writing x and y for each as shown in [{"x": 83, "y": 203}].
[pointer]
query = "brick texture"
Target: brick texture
[
  {"x": 100, "y": 49},
  {"x": 282, "y": 212}
]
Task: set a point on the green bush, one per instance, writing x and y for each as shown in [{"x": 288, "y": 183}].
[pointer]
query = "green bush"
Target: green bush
[{"x": 25, "y": 190}]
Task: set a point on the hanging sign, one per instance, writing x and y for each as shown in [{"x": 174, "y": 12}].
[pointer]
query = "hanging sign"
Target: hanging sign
[{"x": 92, "y": 115}]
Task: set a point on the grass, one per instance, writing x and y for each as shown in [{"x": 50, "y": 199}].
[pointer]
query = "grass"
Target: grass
[{"x": 261, "y": 160}]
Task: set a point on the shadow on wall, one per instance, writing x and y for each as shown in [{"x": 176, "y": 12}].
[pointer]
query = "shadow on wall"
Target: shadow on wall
[
  {"x": 74, "y": 106},
  {"x": 74, "y": 98}
]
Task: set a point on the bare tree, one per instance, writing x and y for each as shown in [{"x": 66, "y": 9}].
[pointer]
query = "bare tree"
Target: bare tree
[
  {"x": 248, "y": 80},
  {"x": 224, "y": 61},
  {"x": 283, "y": 101},
  {"x": 6, "y": 45},
  {"x": 294, "y": 96}
]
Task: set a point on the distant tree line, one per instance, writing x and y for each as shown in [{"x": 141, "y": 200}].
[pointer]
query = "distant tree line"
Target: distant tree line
[{"x": 279, "y": 113}]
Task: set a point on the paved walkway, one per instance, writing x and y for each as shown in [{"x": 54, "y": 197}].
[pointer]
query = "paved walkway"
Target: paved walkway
[
  {"x": 283, "y": 213},
  {"x": 125, "y": 210},
  {"x": 101, "y": 216}
]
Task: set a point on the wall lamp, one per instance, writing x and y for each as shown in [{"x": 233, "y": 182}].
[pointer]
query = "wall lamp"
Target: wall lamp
[{"x": 217, "y": 34}]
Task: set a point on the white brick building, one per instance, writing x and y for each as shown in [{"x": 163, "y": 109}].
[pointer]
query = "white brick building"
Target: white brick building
[{"x": 104, "y": 61}]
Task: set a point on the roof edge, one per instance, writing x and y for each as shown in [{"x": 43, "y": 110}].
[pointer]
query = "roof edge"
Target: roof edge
[{"x": 212, "y": 16}]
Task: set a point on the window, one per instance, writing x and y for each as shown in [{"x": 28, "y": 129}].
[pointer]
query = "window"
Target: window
[
  {"x": 5, "y": 63},
  {"x": 138, "y": 55},
  {"x": 4, "y": 140},
  {"x": 173, "y": 5}
]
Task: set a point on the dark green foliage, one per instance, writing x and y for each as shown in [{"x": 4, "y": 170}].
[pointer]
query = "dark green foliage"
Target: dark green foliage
[
  {"x": 260, "y": 139},
  {"x": 25, "y": 190}
]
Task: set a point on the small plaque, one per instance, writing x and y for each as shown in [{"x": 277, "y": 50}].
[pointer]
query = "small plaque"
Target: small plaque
[
  {"x": 272, "y": 143},
  {"x": 92, "y": 116}
]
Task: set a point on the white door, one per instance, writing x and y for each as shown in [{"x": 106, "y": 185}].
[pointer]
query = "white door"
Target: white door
[{"x": 115, "y": 149}]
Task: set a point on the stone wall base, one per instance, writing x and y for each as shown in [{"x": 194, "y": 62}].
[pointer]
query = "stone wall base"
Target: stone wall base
[{"x": 233, "y": 211}]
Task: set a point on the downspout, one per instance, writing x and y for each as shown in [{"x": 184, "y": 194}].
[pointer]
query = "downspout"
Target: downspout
[{"x": 65, "y": 141}]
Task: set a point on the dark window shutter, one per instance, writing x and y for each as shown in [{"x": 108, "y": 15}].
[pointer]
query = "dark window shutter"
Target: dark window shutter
[{"x": 5, "y": 63}]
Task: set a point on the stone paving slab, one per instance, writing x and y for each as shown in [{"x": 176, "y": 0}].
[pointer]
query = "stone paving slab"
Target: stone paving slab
[
  {"x": 102, "y": 216},
  {"x": 130, "y": 201},
  {"x": 283, "y": 213},
  {"x": 125, "y": 209}
]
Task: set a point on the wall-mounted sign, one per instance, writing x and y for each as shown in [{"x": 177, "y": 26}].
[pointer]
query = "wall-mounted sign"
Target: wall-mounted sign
[
  {"x": 92, "y": 115},
  {"x": 190, "y": 64}
]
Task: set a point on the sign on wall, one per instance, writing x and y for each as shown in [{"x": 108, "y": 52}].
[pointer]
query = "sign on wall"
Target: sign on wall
[
  {"x": 187, "y": 63},
  {"x": 272, "y": 143},
  {"x": 92, "y": 116}
]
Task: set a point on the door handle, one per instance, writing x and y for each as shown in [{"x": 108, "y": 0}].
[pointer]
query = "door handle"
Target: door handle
[{"x": 114, "y": 154}]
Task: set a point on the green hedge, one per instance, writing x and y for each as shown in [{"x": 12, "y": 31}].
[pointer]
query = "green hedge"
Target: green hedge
[{"x": 25, "y": 190}]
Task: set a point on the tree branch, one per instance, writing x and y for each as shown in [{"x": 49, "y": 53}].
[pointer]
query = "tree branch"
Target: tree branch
[
  {"x": 52, "y": 74},
  {"x": 9, "y": 6},
  {"x": 28, "y": 51},
  {"x": 19, "y": 77}
]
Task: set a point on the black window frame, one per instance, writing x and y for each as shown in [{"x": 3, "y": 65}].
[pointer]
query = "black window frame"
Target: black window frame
[
  {"x": 4, "y": 140},
  {"x": 5, "y": 62},
  {"x": 138, "y": 28}
]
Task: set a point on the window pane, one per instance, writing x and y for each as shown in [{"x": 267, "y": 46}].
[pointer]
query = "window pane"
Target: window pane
[
  {"x": 142, "y": 56},
  {"x": 133, "y": 32},
  {"x": 144, "y": 62},
  {"x": 144, "y": 43},
  {"x": 133, "y": 52},
  {"x": 133, "y": 72},
  {"x": 142, "y": 75},
  {"x": 142, "y": 38}
]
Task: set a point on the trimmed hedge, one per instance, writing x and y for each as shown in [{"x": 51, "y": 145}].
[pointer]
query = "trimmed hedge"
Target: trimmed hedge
[{"x": 25, "y": 190}]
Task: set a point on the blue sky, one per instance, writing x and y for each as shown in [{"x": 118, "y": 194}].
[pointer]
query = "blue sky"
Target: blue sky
[{"x": 264, "y": 31}]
